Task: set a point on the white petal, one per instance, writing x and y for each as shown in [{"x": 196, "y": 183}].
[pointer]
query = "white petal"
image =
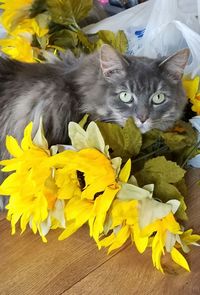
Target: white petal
[
  {"x": 45, "y": 226},
  {"x": 39, "y": 138},
  {"x": 116, "y": 164},
  {"x": 150, "y": 188},
  {"x": 133, "y": 180},
  {"x": 170, "y": 241},
  {"x": 132, "y": 192},
  {"x": 152, "y": 210},
  {"x": 58, "y": 212},
  {"x": 175, "y": 205},
  {"x": 94, "y": 137}
]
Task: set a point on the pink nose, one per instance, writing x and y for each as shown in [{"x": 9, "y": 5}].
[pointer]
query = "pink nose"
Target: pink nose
[{"x": 142, "y": 117}]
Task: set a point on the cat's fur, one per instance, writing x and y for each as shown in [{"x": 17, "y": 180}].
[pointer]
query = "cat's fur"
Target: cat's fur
[{"x": 64, "y": 92}]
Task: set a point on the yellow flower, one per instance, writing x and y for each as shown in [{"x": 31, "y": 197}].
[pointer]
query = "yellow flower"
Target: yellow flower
[
  {"x": 191, "y": 87},
  {"x": 92, "y": 201},
  {"x": 16, "y": 20},
  {"x": 14, "y": 12},
  {"x": 29, "y": 26},
  {"x": 32, "y": 191},
  {"x": 18, "y": 48}
]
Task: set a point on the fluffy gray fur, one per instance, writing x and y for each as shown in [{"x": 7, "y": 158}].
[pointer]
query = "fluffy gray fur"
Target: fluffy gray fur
[{"x": 63, "y": 92}]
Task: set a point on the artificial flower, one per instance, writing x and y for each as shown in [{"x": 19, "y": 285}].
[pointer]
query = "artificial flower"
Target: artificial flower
[
  {"x": 91, "y": 202},
  {"x": 14, "y": 12},
  {"x": 18, "y": 48},
  {"x": 32, "y": 191},
  {"x": 191, "y": 87}
]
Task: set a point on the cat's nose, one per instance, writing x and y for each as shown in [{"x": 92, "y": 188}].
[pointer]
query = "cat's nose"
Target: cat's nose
[{"x": 142, "y": 117}]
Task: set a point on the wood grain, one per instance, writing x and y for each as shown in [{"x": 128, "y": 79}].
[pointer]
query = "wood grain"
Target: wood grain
[{"x": 75, "y": 266}]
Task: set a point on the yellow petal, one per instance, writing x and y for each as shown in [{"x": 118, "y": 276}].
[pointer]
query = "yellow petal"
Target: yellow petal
[
  {"x": 121, "y": 237},
  {"x": 140, "y": 241},
  {"x": 191, "y": 87},
  {"x": 27, "y": 139},
  {"x": 125, "y": 172},
  {"x": 71, "y": 228},
  {"x": 179, "y": 259},
  {"x": 13, "y": 146},
  {"x": 101, "y": 206}
]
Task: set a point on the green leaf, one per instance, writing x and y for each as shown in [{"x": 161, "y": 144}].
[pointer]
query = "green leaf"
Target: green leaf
[
  {"x": 84, "y": 120},
  {"x": 65, "y": 39},
  {"x": 67, "y": 12},
  {"x": 38, "y": 6},
  {"x": 61, "y": 12},
  {"x": 152, "y": 137},
  {"x": 165, "y": 192},
  {"x": 107, "y": 37},
  {"x": 185, "y": 136},
  {"x": 121, "y": 42},
  {"x": 124, "y": 142},
  {"x": 118, "y": 41},
  {"x": 160, "y": 169},
  {"x": 81, "y": 8},
  {"x": 83, "y": 39}
]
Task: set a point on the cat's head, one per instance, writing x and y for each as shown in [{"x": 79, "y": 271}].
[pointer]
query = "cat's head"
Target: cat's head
[{"x": 148, "y": 90}]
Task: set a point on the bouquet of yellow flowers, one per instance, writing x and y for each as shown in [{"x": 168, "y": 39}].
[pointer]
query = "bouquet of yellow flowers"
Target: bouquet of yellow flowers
[
  {"x": 121, "y": 183},
  {"x": 68, "y": 186}
]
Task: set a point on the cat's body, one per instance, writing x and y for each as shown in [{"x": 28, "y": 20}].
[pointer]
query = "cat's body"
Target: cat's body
[{"x": 98, "y": 84}]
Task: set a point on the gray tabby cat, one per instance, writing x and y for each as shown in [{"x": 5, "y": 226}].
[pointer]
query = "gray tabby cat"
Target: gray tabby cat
[{"x": 108, "y": 86}]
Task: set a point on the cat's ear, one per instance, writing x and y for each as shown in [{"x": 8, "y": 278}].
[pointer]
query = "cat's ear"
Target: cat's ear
[
  {"x": 113, "y": 64},
  {"x": 174, "y": 65}
]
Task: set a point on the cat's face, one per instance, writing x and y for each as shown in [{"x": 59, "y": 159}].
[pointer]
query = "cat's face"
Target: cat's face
[{"x": 149, "y": 91}]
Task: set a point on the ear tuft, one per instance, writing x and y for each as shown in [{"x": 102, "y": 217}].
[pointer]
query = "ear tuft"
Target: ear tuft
[
  {"x": 113, "y": 65},
  {"x": 174, "y": 65}
]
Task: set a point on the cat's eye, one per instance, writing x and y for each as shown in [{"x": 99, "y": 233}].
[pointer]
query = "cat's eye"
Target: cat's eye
[
  {"x": 125, "y": 96},
  {"x": 158, "y": 98}
]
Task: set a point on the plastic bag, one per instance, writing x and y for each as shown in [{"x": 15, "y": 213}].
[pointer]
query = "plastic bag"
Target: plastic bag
[{"x": 159, "y": 28}]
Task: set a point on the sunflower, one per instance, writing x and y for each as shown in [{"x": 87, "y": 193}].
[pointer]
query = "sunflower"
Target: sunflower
[
  {"x": 14, "y": 12},
  {"x": 32, "y": 191}
]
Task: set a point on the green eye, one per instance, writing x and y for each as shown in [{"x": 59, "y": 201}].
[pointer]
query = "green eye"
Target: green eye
[
  {"x": 158, "y": 98},
  {"x": 125, "y": 97}
]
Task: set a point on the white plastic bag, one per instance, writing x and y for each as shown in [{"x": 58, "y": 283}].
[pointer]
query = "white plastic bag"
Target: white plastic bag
[{"x": 159, "y": 28}]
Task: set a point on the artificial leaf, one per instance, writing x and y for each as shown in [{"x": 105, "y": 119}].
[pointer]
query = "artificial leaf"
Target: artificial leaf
[
  {"x": 67, "y": 12},
  {"x": 61, "y": 12},
  {"x": 107, "y": 37},
  {"x": 118, "y": 41},
  {"x": 81, "y": 8},
  {"x": 84, "y": 120},
  {"x": 124, "y": 141},
  {"x": 121, "y": 42},
  {"x": 83, "y": 39},
  {"x": 65, "y": 39},
  {"x": 38, "y": 6},
  {"x": 160, "y": 169},
  {"x": 182, "y": 136},
  {"x": 165, "y": 192}
]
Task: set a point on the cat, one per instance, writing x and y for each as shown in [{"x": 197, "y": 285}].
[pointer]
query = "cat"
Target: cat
[{"x": 107, "y": 85}]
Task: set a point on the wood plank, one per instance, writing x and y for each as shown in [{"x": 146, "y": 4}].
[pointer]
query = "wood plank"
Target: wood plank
[
  {"x": 132, "y": 273},
  {"x": 193, "y": 199},
  {"x": 28, "y": 266},
  {"x": 75, "y": 266}
]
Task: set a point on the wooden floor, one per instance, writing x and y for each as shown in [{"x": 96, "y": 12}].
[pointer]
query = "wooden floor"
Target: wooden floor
[{"x": 75, "y": 266}]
